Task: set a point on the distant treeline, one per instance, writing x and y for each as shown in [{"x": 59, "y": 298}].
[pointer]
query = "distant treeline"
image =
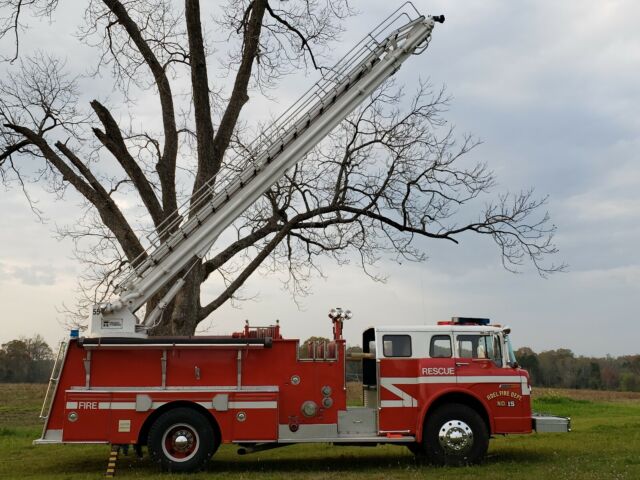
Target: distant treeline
[
  {"x": 25, "y": 360},
  {"x": 561, "y": 368},
  {"x": 31, "y": 360}
]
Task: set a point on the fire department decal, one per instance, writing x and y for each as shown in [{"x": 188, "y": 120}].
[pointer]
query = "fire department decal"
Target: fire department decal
[{"x": 504, "y": 393}]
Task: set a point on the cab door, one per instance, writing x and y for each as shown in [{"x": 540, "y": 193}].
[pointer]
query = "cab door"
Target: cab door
[
  {"x": 480, "y": 368},
  {"x": 397, "y": 381}
]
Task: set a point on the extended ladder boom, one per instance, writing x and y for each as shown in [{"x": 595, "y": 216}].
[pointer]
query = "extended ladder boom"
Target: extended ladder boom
[{"x": 213, "y": 208}]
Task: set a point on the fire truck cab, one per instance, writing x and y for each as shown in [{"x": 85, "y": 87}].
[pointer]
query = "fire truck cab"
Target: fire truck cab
[
  {"x": 451, "y": 386},
  {"x": 440, "y": 390}
]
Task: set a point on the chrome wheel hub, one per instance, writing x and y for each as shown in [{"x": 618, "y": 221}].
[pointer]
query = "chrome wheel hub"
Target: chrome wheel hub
[
  {"x": 455, "y": 436},
  {"x": 180, "y": 442}
]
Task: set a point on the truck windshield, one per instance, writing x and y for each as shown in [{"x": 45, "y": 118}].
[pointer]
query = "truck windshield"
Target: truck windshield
[{"x": 512, "y": 356}]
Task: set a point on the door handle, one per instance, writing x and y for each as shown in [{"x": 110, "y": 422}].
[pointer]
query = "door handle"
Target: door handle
[{"x": 462, "y": 364}]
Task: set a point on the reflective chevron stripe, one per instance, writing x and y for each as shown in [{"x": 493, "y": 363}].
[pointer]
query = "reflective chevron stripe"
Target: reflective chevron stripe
[{"x": 406, "y": 400}]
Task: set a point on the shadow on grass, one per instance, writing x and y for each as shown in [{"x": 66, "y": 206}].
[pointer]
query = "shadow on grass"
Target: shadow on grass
[
  {"x": 366, "y": 461},
  {"x": 513, "y": 455},
  {"x": 289, "y": 462},
  {"x": 347, "y": 463}
]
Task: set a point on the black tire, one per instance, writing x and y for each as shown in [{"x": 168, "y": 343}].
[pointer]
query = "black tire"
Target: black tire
[
  {"x": 455, "y": 435},
  {"x": 182, "y": 440}
]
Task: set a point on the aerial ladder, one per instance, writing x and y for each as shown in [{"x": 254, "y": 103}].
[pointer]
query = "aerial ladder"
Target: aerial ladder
[{"x": 188, "y": 234}]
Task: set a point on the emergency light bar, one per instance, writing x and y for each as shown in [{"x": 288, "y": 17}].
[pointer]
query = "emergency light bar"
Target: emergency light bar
[{"x": 466, "y": 321}]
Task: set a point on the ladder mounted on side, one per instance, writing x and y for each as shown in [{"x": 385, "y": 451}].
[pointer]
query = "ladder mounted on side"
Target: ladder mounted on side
[
  {"x": 188, "y": 234},
  {"x": 52, "y": 388}
]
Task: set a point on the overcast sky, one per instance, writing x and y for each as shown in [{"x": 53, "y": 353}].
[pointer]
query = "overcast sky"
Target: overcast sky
[{"x": 551, "y": 88}]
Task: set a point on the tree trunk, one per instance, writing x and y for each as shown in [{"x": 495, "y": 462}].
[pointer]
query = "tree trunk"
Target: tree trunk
[{"x": 182, "y": 317}]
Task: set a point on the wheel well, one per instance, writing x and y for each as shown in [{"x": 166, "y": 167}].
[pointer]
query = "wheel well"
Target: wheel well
[
  {"x": 144, "y": 431},
  {"x": 463, "y": 398}
]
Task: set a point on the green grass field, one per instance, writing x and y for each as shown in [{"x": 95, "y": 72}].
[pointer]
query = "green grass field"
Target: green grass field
[{"x": 604, "y": 444}]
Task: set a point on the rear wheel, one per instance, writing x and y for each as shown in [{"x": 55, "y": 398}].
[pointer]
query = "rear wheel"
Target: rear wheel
[
  {"x": 455, "y": 434},
  {"x": 182, "y": 440}
]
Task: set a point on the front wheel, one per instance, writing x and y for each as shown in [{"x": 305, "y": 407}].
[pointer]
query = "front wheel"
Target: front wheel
[
  {"x": 182, "y": 440},
  {"x": 455, "y": 434}
]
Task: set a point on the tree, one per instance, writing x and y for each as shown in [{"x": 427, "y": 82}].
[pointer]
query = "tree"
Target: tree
[
  {"x": 610, "y": 375},
  {"x": 558, "y": 368},
  {"x": 595, "y": 378},
  {"x": 629, "y": 382},
  {"x": 14, "y": 358},
  {"x": 389, "y": 178},
  {"x": 25, "y": 360},
  {"x": 528, "y": 359}
]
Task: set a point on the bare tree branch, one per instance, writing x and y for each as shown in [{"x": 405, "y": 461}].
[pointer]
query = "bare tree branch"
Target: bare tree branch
[
  {"x": 11, "y": 149},
  {"x": 303, "y": 39},
  {"x": 92, "y": 191},
  {"x": 167, "y": 163},
  {"x": 113, "y": 140},
  {"x": 207, "y": 166},
  {"x": 11, "y": 23},
  {"x": 244, "y": 275},
  {"x": 239, "y": 94}
]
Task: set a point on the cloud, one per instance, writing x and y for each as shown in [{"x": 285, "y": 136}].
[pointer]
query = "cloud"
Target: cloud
[
  {"x": 610, "y": 278},
  {"x": 598, "y": 207},
  {"x": 31, "y": 275}
]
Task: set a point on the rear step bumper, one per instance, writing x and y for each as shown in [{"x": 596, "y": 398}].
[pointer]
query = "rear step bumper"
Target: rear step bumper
[
  {"x": 542, "y": 423},
  {"x": 48, "y": 437}
]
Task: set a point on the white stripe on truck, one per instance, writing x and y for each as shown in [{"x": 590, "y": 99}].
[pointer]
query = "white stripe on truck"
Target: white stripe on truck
[{"x": 94, "y": 405}]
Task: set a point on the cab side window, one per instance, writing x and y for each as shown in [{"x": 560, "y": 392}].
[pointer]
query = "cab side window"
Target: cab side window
[
  {"x": 480, "y": 346},
  {"x": 440, "y": 346},
  {"x": 396, "y": 345},
  {"x": 467, "y": 346}
]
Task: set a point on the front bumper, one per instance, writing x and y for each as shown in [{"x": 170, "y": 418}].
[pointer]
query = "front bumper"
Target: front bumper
[{"x": 542, "y": 423}]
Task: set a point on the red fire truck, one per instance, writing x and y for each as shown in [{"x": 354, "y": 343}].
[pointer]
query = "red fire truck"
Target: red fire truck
[{"x": 442, "y": 391}]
